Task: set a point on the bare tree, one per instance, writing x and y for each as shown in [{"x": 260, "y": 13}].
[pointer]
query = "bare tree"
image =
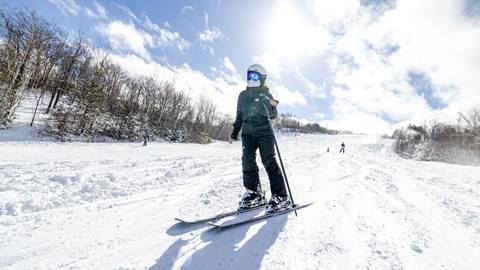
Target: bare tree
[
  {"x": 21, "y": 30},
  {"x": 69, "y": 67}
]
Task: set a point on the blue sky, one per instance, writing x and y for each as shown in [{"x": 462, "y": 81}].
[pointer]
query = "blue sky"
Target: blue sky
[{"x": 363, "y": 65}]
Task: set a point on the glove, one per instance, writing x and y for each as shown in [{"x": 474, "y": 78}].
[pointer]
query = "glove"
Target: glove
[
  {"x": 234, "y": 135},
  {"x": 274, "y": 102}
]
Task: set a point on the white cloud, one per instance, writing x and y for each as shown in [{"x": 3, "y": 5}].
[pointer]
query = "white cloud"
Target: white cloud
[
  {"x": 229, "y": 65},
  {"x": 101, "y": 10},
  {"x": 319, "y": 115},
  {"x": 65, "y": 6},
  {"x": 149, "y": 25},
  {"x": 185, "y": 9},
  {"x": 378, "y": 48},
  {"x": 313, "y": 89},
  {"x": 127, "y": 38},
  {"x": 209, "y": 34},
  {"x": 228, "y": 72},
  {"x": 164, "y": 37},
  {"x": 211, "y": 50},
  {"x": 90, "y": 13},
  {"x": 169, "y": 38},
  {"x": 128, "y": 12},
  {"x": 271, "y": 63},
  {"x": 208, "y": 48},
  {"x": 205, "y": 19},
  {"x": 137, "y": 66},
  {"x": 291, "y": 34},
  {"x": 332, "y": 14},
  {"x": 287, "y": 96},
  {"x": 70, "y": 6}
]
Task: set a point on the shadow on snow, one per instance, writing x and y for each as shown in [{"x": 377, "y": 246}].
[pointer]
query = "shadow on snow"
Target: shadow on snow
[
  {"x": 182, "y": 228},
  {"x": 224, "y": 248}
]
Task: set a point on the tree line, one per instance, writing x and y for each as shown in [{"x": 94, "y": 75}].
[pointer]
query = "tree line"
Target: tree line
[
  {"x": 287, "y": 122},
  {"x": 89, "y": 95},
  {"x": 452, "y": 143}
]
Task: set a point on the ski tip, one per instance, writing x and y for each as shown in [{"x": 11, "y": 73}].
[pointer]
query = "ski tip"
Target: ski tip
[
  {"x": 185, "y": 221},
  {"x": 302, "y": 205},
  {"x": 214, "y": 224},
  {"x": 180, "y": 220}
]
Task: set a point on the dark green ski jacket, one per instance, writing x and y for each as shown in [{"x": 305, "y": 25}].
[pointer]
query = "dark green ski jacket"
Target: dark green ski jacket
[{"x": 251, "y": 113}]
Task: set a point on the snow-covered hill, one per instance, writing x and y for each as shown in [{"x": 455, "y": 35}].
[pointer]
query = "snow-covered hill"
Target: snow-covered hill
[{"x": 112, "y": 206}]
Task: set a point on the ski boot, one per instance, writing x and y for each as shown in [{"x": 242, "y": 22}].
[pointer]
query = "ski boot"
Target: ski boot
[
  {"x": 251, "y": 199},
  {"x": 278, "y": 203}
]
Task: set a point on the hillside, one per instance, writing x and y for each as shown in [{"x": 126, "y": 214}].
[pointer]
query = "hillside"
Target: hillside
[{"x": 112, "y": 206}]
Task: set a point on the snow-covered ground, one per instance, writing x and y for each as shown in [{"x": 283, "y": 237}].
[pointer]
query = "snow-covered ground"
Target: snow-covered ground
[
  {"x": 23, "y": 129},
  {"x": 112, "y": 206}
]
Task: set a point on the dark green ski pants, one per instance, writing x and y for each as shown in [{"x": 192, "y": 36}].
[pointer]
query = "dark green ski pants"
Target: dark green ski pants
[{"x": 264, "y": 141}]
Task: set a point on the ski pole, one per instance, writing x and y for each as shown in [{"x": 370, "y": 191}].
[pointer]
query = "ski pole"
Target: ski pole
[{"x": 280, "y": 158}]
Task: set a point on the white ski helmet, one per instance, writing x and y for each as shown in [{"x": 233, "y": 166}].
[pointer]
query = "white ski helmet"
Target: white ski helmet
[
  {"x": 253, "y": 79},
  {"x": 258, "y": 68}
]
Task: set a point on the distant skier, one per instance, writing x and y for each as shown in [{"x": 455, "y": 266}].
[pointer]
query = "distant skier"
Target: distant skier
[
  {"x": 342, "y": 148},
  {"x": 255, "y": 106},
  {"x": 146, "y": 138},
  {"x": 328, "y": 149}
]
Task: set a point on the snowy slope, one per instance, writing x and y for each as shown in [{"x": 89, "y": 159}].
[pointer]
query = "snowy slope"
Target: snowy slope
[
  {"x": 112, "y": 206},
  {"x": 21, "y": 130}
]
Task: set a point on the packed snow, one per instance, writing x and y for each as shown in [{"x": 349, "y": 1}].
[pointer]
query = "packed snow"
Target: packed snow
[{"x": 112, "y": 206}]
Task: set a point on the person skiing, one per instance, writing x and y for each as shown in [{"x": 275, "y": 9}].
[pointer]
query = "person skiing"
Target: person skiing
[
  {"x": 146, "y": 138},
  {"x": 255, "y": 108},
  {"x": 342, "y": 148}
]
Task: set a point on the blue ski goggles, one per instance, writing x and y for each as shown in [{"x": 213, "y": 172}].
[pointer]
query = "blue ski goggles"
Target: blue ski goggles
[{"x": 254, "y": 76}]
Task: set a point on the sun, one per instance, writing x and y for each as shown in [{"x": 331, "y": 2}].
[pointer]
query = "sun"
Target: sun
[{"x": 290, "y": 35}]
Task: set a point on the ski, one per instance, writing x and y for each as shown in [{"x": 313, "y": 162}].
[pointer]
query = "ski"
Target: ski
[
  {"x": 219, "y": 216},
  {"x": 256, "y": 218}
]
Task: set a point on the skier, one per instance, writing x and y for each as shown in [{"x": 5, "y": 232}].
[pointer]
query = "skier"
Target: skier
[
  {"x": 342, "y": 148},
  {"x": 328, "y": 149},
  {"x": 255, "y": 106},
  {"x": 146, "y": 138}
]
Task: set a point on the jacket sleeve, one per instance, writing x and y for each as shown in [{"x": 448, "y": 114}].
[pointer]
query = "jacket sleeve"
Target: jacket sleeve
[
  {"x": 272, "y": 110},
  {"x": 237, "y": 125}
]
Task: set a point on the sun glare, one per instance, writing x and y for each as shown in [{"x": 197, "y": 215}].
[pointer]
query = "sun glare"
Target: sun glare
[{"x": 290, "y": 35}]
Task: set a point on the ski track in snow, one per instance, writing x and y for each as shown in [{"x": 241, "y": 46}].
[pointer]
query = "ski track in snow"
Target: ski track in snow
[{"x": 112, "y": 206}]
